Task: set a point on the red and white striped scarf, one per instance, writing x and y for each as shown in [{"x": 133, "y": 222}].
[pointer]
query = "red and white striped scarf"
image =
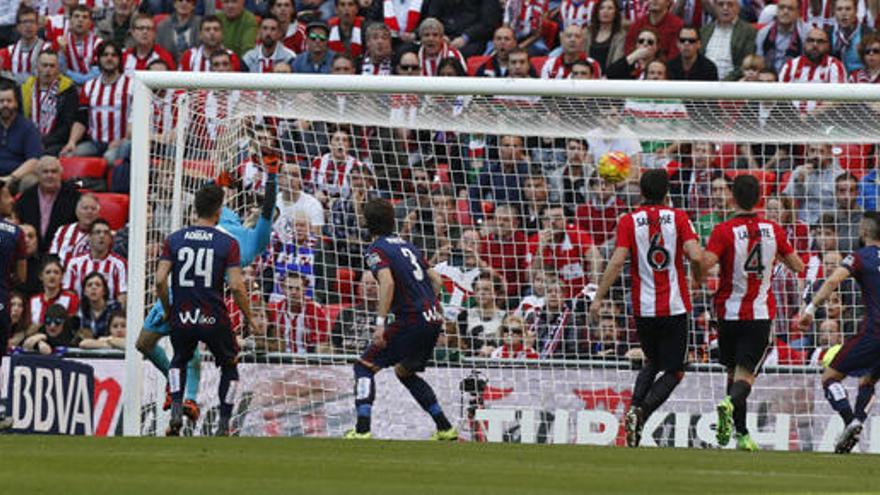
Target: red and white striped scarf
[
  {"x": 429, "y": 64},
  {"x": 556, "y": 68},
  {"x": 577, "y": 12},
  {"x": 821, "y": 19},
  {"x": 413, "y": 16},
  {"x": 524, "y": 16},
  {"x": 862, "y": 76},
  {"x": 355, "y": 44},
  {"x": 332, "y": 177},
  {"x": 81, "y": 59},
  {"x": 633, "y": 9},
  {"x": 21, "y": 60},
  {"x": 44, "y": 107},
  {"x": 368, "y": 68}
]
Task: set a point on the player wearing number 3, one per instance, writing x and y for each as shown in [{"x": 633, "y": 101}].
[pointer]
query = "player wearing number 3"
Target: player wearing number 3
[
  {"x": 657, "y": 238},
  {"x": 198, "y": 258},
  {"x": 408, "y": 322},
  {"x": 746, "y": 247}
]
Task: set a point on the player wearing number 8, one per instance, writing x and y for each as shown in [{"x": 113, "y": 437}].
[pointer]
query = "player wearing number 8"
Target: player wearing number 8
[
  {"x": 746, "y": 247},
  {"x": 197, "y": 258},
  {"x": 408, "y": 322},
  {"x": 657, "y": 238}
]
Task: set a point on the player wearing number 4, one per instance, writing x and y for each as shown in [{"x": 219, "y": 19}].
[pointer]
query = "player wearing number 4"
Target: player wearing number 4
[
  {"x": 657, "y": 238},
  {"x": 860, "y": 354},
  {"x": 408, "y": 323},
  {"x": 746, "y": 247},
  {"x": 197, "y": 258}
]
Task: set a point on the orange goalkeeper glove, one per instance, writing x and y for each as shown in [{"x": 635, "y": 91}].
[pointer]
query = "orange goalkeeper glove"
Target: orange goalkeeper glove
[{"x": 271, "y": 163}]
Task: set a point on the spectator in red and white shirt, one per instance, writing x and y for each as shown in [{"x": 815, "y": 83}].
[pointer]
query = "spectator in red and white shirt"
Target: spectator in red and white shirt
[
  {"x": 293, "y": 32},
  {"x": 79, "y": 47},
  {"x": 270, "y": 50},
  {"x": 516, "y": 345},
  {"x": 298, "y": 323},
  {"x": 576, "y": 12},
  {"x": 559, "y": 67},
  {"x": 505, "y": 249},
  {"x": 434, "y": 47},
  {"x": 50, "y": 276},
  {"x": 599, "y": 215},
  {"x": 814, "y": 66},
  {"x": 198, "y": 59},
  {"x": 330, "y": 173},
  {"x": 402, "y": 17},
  {"x": 20, "y": 58},
  {"x": 524, "y": 19},
  {"x": 145, "y": 49},
  {"x": 346, "y": 29},
  {"x": 565, "y": 249},
  {"x": 72, "y": 240},
  {"x": 503, "y": 41},
  {"x": 58, "y": 22},
  {"x": 99, "y": 259},
  {"x": 105, "y": 103},
  {"x": 378, "y": 60},
  {"x": 661, "y": 19},
  {"x": 869, "y": 51}
]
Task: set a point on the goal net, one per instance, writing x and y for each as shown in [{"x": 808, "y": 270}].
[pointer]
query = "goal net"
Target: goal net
[{"x": 495, "y": 181}]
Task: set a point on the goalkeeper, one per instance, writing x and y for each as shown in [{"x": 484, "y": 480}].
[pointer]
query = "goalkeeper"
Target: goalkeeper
[{"x": 252, "y": 242}]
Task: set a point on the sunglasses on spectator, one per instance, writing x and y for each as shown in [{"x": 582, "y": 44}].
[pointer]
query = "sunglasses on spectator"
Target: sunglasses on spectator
[
  {"x": 687, "y": 40},
  {"x": 409, "y": 67},
  {"x": 55, "y": 321},
  {"x": 646, "y": 41},
  {"x": 817, "y": 40},
  {"x": 318, "y": 36},
  {"x": 512, "y": 330},
  {"x": 872, "y": 51}
]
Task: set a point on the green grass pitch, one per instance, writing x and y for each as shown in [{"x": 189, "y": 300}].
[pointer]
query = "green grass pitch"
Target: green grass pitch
[{"x": 245, "y": 466}]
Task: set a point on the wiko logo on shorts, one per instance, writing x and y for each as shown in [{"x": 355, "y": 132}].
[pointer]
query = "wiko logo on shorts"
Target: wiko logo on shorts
[{"x": 195, "y": 318}]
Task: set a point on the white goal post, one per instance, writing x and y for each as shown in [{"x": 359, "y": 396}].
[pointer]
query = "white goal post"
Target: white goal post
[{"x": 673, "y": 115}]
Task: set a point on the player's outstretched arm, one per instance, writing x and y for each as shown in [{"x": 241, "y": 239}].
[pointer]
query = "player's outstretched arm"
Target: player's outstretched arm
[
  {"x": 831, "y": 283},
  {"x": 794, "y": 262},
  {"x": 161, "y": 288},
  {"x": 239, "y": 294},
  {"x": 694, "y": 253},
  {"x": 615, "y": 266},
  {"x": 257, "y": 238}
]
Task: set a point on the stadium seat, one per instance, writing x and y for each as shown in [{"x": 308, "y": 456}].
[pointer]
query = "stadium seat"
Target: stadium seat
[
  {"x": 78, "y": 167},
  {"x": 538, "y": 63},
  {"x": 853, "y": 158},
  {"x": 331, "y": 311},
  {"x": 725, "y": 153},
  {"x": 159, "y": 18},
  {"x": 767, "y": 180},
  {"x": 344, "y": 285},
  {"x": 474, "y": 63},
  {"x": 114, "y": 208}
]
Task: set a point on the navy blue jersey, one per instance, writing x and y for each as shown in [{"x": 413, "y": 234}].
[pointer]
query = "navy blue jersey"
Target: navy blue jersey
[
  {"x": 864, "y": 265},
  {"x": 200, "y": 257},
  {"x": 12, "y": 249},
  {"x": 413, "y": 293}
]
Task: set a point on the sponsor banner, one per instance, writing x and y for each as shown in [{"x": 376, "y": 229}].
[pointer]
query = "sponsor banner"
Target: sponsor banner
[
  {"x": 51, "y": 396},
  {"x": 557, "y": 406}
]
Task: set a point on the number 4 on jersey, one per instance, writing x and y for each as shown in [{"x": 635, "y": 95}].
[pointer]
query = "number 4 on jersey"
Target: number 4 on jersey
[{"x": 755, "y": 261}]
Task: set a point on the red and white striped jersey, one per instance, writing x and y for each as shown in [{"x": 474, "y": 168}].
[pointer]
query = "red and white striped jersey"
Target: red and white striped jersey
[
  {"x": 747, "y": 247},
  {"x": 79, "y": 56},
  {"x": 556, "y": 68},
  {"x": 39, "y": 304},
  {"x": 332, "y": 177},
  {"x": 655, "y": 236},
  {"x": 69, "y": 242},
  {"x": 383, "y": 68},
  {"x": 295, "y": 39},
  {"x": 576, "y": 12},
  {"x": 164, "y": 117},
  {"x": 801, "y": 70},
  {"x": 109, "y": 107},
  {"x": 565, "y": 256},
  {"x": 863, "y": 76},
  {"x": 113, "y": 267},
  {"x": 299, "y": 331},
  {"x": 429, "y": 64},
  {"x": 56, "y": 28},
  {"x": 356, "y": 44},
  {"x": 132, "y": 62},
  {"x": 631, "y": 10},
  {"x": 823, "y": 18},
  {"x": 524, "y": 16},
  {"x": 390, "y": 11},
  {"x": 21, "y": 61},
  {"x": 197, "y": 59}
]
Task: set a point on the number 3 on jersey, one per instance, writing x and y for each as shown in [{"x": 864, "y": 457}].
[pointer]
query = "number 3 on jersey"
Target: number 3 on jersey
[
  {"x": 418, "y": 273},
  {"x": 755, "y": 261},
  {"x": 200, "y": 261}
]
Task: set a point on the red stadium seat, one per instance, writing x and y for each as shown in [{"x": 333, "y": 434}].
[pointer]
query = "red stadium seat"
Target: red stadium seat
[
  {"x": 344, "y": 285},
  {"x": 331, "y": 311},
  {"x": 538, "y": 63},
  {"x": 159, "y": 18},
  {"x": 78, "y": 167},
  {"x": 767, "y": 180},
  {"x": 725, "y": 153},
  {"x": 474, "y": 63},
  {"x": 853, "y": 158},
  {"x": 114, "y": 208}
]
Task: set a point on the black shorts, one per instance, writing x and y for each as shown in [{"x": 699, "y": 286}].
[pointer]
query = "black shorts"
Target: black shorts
[
  {"x": 743, "y": 343},
  {"x": 411, "y": 347},
  {"x": 5, "y": 329},
  {"x": 664, "y": 341},
  {"x": 859, "y": 355},
  {"x": 219, "y": 339}
]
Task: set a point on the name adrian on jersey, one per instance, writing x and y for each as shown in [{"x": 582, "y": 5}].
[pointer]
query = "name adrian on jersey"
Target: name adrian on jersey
[
  {"x": 196, "y": 318},
  {"x": 198, "y": 235}
]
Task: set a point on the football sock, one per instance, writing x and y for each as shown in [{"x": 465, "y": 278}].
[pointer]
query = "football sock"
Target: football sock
[
  {"x": 863, "y": 402},
  {"x": 159, "y": 359},
  {"x": 176, "y": 382},
  {"x": 836, "y": 395},
  {"x": 193, "y": 375},
  {"x": 227, "y": 389},
  {"x": 660, "y": 391},
  {"x": 424, "y": 395},
  {"x": 739, "y": 392},
  {"x": 364, "y": 393},
  {"x": 644, "y": 380}
]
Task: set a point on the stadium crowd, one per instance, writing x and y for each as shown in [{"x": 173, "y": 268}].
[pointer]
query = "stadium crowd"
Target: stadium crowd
[{"x": 518, "y": 226}]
